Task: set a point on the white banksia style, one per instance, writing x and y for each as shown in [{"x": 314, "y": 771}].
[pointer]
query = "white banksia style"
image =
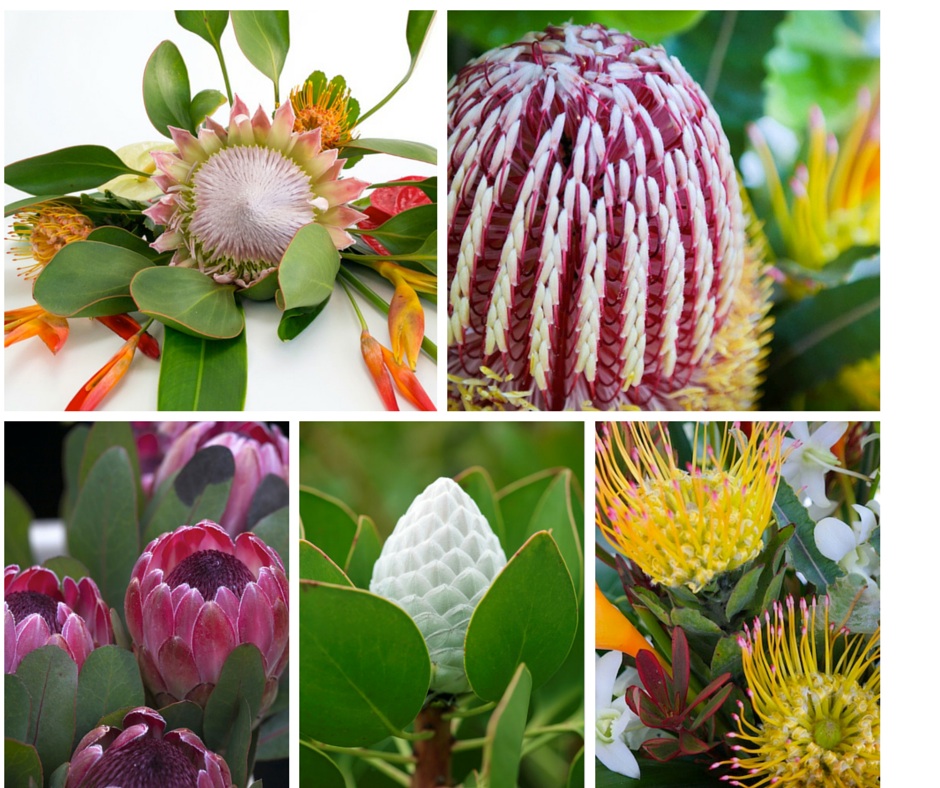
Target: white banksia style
[
  {"x": 597, "y": 245},
  {"x": 437, "y": 565}
]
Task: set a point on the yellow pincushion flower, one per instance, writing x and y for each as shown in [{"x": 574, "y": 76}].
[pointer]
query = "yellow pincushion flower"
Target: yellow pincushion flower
[
  {"x": 816, "y": 702},
  {"x": 686, "y": 527}
]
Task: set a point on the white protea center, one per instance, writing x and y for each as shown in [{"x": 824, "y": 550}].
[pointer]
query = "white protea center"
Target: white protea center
[
  {"x": 437, "y": 565},
  {"x": 234, "y": 198}
]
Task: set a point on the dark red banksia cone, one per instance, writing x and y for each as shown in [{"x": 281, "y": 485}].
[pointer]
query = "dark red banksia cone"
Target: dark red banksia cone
[{"x": 597, "y": 242}]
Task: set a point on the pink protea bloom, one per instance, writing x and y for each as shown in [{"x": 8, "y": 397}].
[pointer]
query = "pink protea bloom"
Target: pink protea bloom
[
  {"x": 143, "y": 756},
  {"x": 259, "y": 451},
  {"x": 195, "y": 594},
  {"x": 234, "y": 198},
  {"x": 597, "y": 246},
  {"x": 39, "y": 611}
]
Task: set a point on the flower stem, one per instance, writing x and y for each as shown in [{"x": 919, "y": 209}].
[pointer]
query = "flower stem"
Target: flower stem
[
  {"x": 359, "y": 752},
  {"x": 433, "y": 754},
  {"x": 228, "y": 87},
  {"x": 362, "y": 320}
]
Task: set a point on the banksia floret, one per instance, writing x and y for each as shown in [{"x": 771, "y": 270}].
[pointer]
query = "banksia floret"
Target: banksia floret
[
  {"x": 437, "y": 565},
  {"x": 597, "y": 250}
]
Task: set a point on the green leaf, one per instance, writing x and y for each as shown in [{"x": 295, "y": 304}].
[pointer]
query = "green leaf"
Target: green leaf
[
  {"x": 743, "y": 592},
  {"x": 803, "y": 554},
  {"x": 405, "y": 232},
  {"x": 118, "y": 236},
  {"x": 184, "y": 714},
  {"x": 416, "y": 151},
  {"x": 21, "y": 766},
  {"x": 66, "y": 566},
  {"x": 819, "y": 335},
  {"x": 202, "y": 374},
  {"x": 576, "y": 771},
  {"x": 273, "y": 531},
  {"x": 51, "y": 678},
  {"x": 262, "y": 290},
  {"x": 364, "y": 552},
  {"x": 16, "y": 707},
  {"x": 109, "y": 680},
  {"x": 316, "y": 768},
  {"x": 208, "y": 25},
  {"x": 29, "y": 202},
  {"x": 517, "y": 502},
  {"x": 505, "y": 732},
  {"x": 102, "y": 436},
  {"x": 189, "y": 301},
  {"x": 103, "y": 531},
  {"x": 478, "y": 484},
  {"x": 241, "y": 680},
  {"x": 854, "y": 604},
  {"x": 204, "y": 103},
  {"x": 529, "y": 614},
  {"x": 264, "y": 38},
  {"x": 89, "y": 279},
  {"x": 294, "y": 321},
  {"x": 166, "y": 89},
  {"x": 364, "y": 669},
  {"x": 316, "y": 565},
  {"x": 328, "y": 523},
  {"x": 554, "y": 513},
  {"x": 274, "y": 738},
  {"x": 416, "y": 32},
  {"x": 308, "y": 268},
  {"x": 693, "y": 622},
  {"x": 16, "y": 519},
  {"x": 727, "y": 657},
  {"x": 67, "y": 170},
  {"x": 73, "y": 450}
]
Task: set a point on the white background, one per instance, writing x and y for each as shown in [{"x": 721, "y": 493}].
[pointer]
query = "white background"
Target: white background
[{"x": 74, "y": 78}]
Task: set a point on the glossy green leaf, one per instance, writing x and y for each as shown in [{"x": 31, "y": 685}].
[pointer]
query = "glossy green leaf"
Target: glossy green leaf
[
  {"x": 727, "y": 657},
  {"x": 109, "y": 680},
  {"x": 273, "y": 530},
  {"x": 263, "y": 290},
  {"x": 118, "y": 236},
  {"x": 678, "y": 772},
  {"x": 316, "y": 565},
  {"x": 102, "y": 533},
  {"x": 184, "y": 714},
  {"x": 28, "y": 202},
  {"x": 199, "y": 491},
  {"x": 309, "y": 267},
  {"x": 363, "y": 553},
  {"x": 802, "y": 552},
  {"x": 89, "y": 279},
  {"x": 416, "y": 31},
  {"x": 202, "y": 374},
  {"x": 264, "y": 38},
  {"x": 204, "y": 103},
  {"x": 16, "y": 707},
  {"x": 21, "y": 766},
  {"x": 316, "y": 768},
  {"x": 166, "y": 89},
  {"x": 476, "y": 482},
  {"x": 66, "y": 170},
  {"x": 274, "y": 737},
  {"x": 355, "y": 688},
  {"x": 241, "y": 680},
  {"x": 51, "y": 679},
  {"x": 416, "y": 151},
  {"x": 821, "y": 334},
  {"x": 517, "y": 502},
  {"x": 405, "y": 232},
  {"x": 529, "y": 614},
  {"x": 743, "y": 592},
  {"x": 189, "y": 301},
  {"x": 694, "y": 623},
  {"x": 16, "y": 519},
  {"x": 328, "y": 523},
  {"x": 505, "y": 732},
  {"x": 555, "y": 513},
  {"x": 576, "y": 771},
  {"x": 208, "y": 25},
  {"x": 102, "y": 436},
  {"x": 294, "y": 321}
]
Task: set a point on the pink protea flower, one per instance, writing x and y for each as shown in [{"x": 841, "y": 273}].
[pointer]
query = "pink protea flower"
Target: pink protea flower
[
  {"x": 195, "y": 594},
  {"x": 597, "y": 253},
  {"x": 234, "y": 198},
  {"x": 259, "y": 450},
  {"x": 39, "y": 611},
  {"x": 142, "y": 756}
]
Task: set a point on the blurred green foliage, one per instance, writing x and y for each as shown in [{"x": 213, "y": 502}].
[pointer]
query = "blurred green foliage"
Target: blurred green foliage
[{"x": 378, "y": 468}]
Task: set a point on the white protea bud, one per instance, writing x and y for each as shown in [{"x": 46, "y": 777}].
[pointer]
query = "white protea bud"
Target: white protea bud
[{"x": 437, "y": 565}]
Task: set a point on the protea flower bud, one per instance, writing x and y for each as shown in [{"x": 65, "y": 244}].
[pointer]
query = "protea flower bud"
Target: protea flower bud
[
  {"x": 437, "y": 565},
  {"x": 195, "y": 594},
  {"x": 259, "y": 450},
  {"x": 38, "y": 611},
  {"x": 141, "y": 755},
  {"x": 597, "y": 252}
]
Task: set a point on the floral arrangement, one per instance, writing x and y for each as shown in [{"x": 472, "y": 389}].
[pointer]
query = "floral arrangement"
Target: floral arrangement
[
  {"x": 150, "y": 647},
  {"x": 174, "y": 240},
  {"x": 445, "y": 653},
  {"x": 738, "y": 621},
  {"x": 620, "y": 235}
]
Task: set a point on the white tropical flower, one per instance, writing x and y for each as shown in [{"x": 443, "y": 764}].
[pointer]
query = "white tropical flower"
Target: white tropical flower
[
  {"x": 809, "y": 459},
  {"x": 847, "y": 545},
  {"x": 617, "y": 729}
]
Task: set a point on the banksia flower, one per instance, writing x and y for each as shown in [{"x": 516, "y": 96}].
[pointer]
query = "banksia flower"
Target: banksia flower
[
  {"x": 597, "y": 245},
  {"x": 686, "y": 527},
  {"x": 437, "y": 565},
  {"x": 195, "y": 594},
  {"x": 40, "y": 611},
  {"x": 141, "y": 755},
  {"x": 816, "y": 703},
  {"x": 40, "y": 231},
  {"x": 234, "y": 198}
]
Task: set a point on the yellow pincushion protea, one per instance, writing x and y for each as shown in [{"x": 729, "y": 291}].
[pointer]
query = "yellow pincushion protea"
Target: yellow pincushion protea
[
  {"x": 816, "y": 702},
  {"x": 686, "y": 527},
  {"x": 40, "y": 231}
]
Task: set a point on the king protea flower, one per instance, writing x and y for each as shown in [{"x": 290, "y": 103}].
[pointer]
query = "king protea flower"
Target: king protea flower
[
  {"x": 39, "y": 611},
  {"x": 195, "y": 594},
  {"x": 143, "y": 756},
  {"x": 234, "y": 198},
  {"x": 597, "y": 245}
]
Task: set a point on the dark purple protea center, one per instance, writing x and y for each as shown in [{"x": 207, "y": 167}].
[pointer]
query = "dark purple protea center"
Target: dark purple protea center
[
  {"x": 210, "y": 570},
  {"x": 143, "y": 763},
  {"x": 26, "y": 603}
]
